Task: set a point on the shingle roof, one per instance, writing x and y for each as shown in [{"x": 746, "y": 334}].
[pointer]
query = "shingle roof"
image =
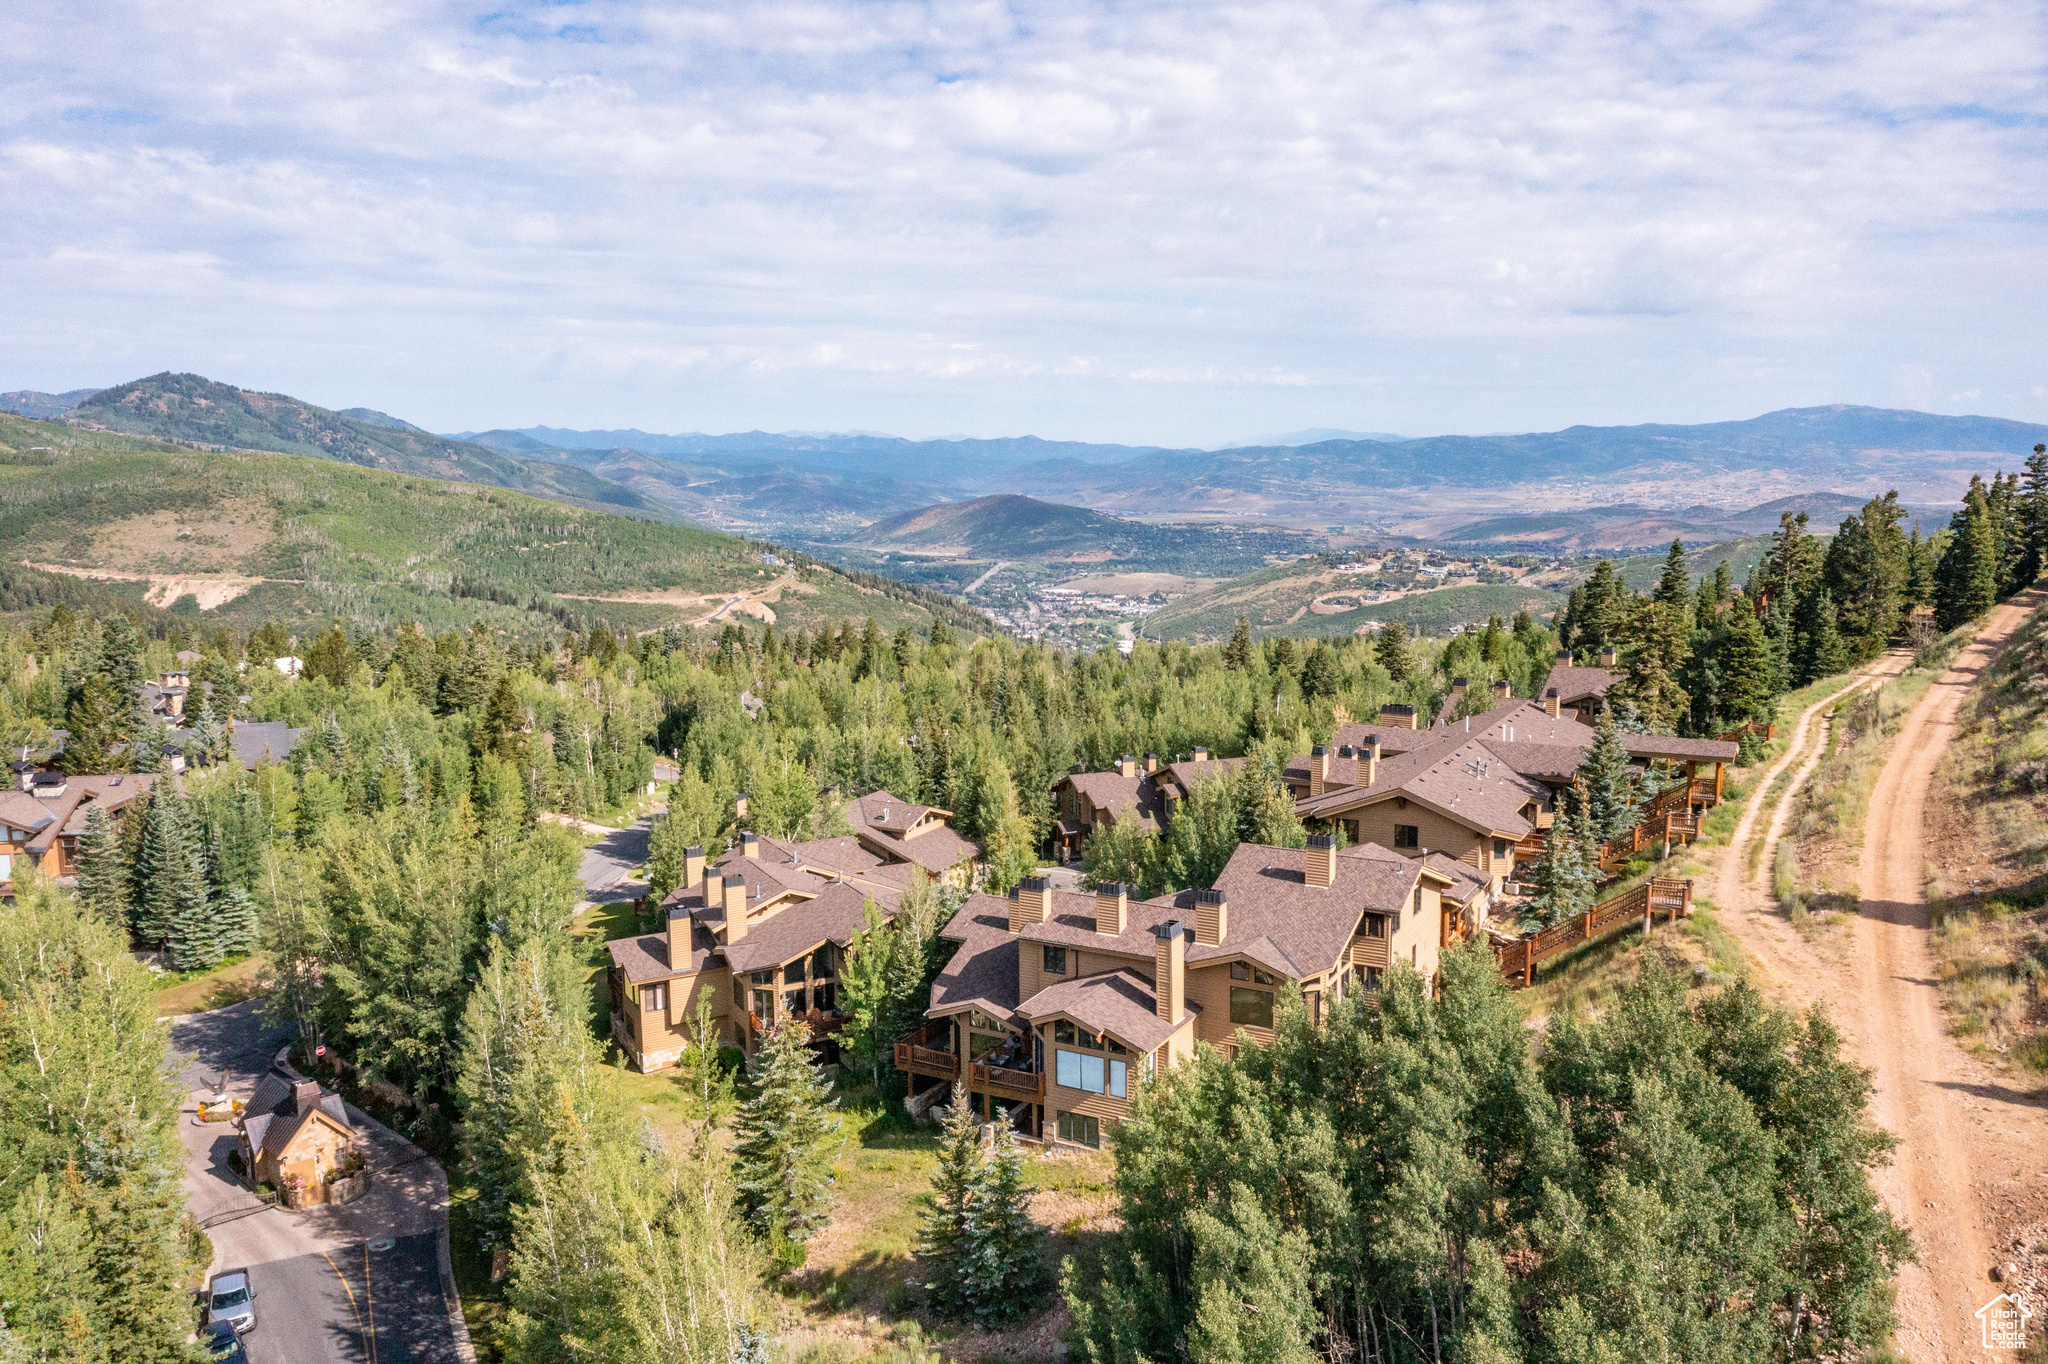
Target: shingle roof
[
  {"x": 1115, "y": 793},
  {"x": 271, "y": 1118},
  {"x": 1466, "y": 880},
  {"x": 1120, "y": 1003},
  {"x": 936, "y": 850},
  {"x": 1576, "y": 684},
  {"x": 1393, "y": 738},
  {"x": 1308, "y": 926},
  {"x": 1187, "y": 775},
  {"x": 983, "y": 971},
  {"x": 1671, "y": 746},
  {"x": 834, "y": 916},
  {"x": 1461, "y": 778}
]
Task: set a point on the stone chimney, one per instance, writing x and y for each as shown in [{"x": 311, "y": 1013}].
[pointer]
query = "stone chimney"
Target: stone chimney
[
  {"x": 1501, "y": 690},
  {"x": 1607, "y": 658},
  {"x": 1170, "y": 971},
  {"x": 305, "y": 1097},
  {"x": 693, "y": 866},
  {"x": 1552, "y": 706},
  {"x": 1127, "y": 766},
  {"x": 1212, "y": 917},
  {"x": 735, "y": 910},
  {"x": 1201, "y": 754},
  {"x": 1030, "y": 902},
  {"x": 1319, "y": 866},
  {"x": 1369, "y": 761},
  {"x": 750, "y": 845},
  {"x": 1318, "y": 770},
  {"x": 1112, "y": 908},
  {"x": 678, "y": 938},
  {"x": 1151, "y": 763},
  {"x": 1397, "y": 717}
]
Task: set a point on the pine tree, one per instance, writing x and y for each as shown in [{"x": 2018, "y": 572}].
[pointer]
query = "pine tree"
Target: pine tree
[
  {"x": 98, "y": 723},
  {"x": 234, "y": 912},
  {"x": 943, "y": 1242},
  {"x": 1657, "y": 654},
  {"x": 784, "y": 1145},
  {"x": 1004, "y": 1272},
  {"x": 1674, "y": 588},
  {"x": 1966, "y": 578},
  {"x": 2033, "y": 513},
  {"x": 209, "y": 741},
  {"x": 160, "y": 860},
  {"x": 1559, "y": 875},
  {"x": 1609, "y": 783},
  {"x": 1390, "y": 650},
  {"x": 1237, "y": 654},
  {"x": 1830, "y": 652},
  {"x": 194, "y": 938},
  {"x": 1319, "y": 673},
  {"x": 102, "y": 869},
  {"x": 1749, "y": 687}
]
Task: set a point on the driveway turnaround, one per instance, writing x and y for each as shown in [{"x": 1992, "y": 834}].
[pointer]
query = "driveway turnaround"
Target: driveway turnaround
[{"x": 368, "y": 1283}]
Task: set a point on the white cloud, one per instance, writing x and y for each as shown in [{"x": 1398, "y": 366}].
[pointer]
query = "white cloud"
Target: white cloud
[{"x": 921, "y": 216}]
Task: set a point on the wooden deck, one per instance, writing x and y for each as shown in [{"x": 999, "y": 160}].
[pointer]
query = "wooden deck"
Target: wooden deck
[
  {"x": 1668, "y": 896},
  {"x": 916, "y": 1056}
]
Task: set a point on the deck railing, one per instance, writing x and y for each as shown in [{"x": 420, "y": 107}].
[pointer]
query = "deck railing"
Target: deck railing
[
  {"x": 1665, "y": 896},
  {"x": 1014, "y": 1084},
  {"x": 915, "y": 1052}
]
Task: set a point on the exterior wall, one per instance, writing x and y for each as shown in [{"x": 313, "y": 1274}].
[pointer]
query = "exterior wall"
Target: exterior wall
[
  {"x": 1375, "y": 823},
  {"x": 1059, "y": 1099},
  {"x": 1209, "y": 989},
  {"x": 658, "y": 1036}
]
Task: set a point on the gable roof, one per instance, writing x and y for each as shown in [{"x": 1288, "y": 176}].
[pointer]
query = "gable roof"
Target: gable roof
[
  {"x": 1121, "y": 1003},
  {"x": 1116, "y": 793},
  {"x": 1459, "y": 777},
  {"x": 983, "y": 970},
  {"x": 272, "y": 1118},
  {"x": 834, "y": 916},
  {"x": 1576, "y": 684}
]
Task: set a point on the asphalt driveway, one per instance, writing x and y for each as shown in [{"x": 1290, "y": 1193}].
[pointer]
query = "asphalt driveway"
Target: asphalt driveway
[
  {"x": 363, "y": 1284},
  {"x": 608, "y": 863}
]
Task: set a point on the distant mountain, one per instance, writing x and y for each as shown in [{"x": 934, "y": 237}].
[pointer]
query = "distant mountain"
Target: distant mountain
[
  {"x": 190, "y": 408},
  {"x": 27, "y": 402},
  {"x": 1314, "y": 435},
  {"x": 1628, "y": 527},
  {"x": 1005, "y": 526},
  {"x": 383, "y": 419}
]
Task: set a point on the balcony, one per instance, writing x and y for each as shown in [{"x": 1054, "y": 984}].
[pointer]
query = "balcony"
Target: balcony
[
  {"x": 929, "y": 1051},
  {"x": 1006, "y": 1083}
]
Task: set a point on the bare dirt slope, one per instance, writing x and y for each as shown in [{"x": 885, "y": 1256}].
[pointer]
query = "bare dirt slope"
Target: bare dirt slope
[{"x": 1972, "y": 1158}]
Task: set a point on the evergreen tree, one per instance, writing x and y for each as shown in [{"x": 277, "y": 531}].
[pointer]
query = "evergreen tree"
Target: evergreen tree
[
  {"x": 163, "y": 868},
  {"x": 1237, "y": 654},
  {"x": 234, "y": 912},
  {"x": 943, "y": 1244},
  {"x": 1657, "y": 653},
  {"x": 102, "y": 869},
  {"x": 1609, "y": 783},
  {"x": 784, "y": 1145},
  {"x": 194, "y": 938},
  {"x": 1966, "y": 578},
  {"x": 2034, "y": 517},
  {"x": 1004, "y": 1272},
  {"x": 209, "y": 740},
  {"x": 1674, "y": 588},
  {"x": 1390, "y": 650},
  {"x": 98, "y": 722},
  {"x": 883, "y": 981},
  {"x": 332, "y": 657},
  {"x": 1559, "y": 876},
  {"x": 1749, "y": 685},
  {"x": 1319, "y": 673},
  {"x": 1830, "y": 652}
]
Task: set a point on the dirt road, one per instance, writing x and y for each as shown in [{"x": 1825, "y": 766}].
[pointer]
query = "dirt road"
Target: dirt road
[{"x": 1973, "y": 1152}]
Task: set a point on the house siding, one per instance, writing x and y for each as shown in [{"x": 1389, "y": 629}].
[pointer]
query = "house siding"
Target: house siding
[{"x": 1375, "y": 823}]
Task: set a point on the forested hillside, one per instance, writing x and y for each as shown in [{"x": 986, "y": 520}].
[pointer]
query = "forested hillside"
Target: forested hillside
[{"x": 304, "y": 540}]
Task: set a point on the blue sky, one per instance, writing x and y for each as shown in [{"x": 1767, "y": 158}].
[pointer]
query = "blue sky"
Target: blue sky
[{"x": 1176, "y": 222}]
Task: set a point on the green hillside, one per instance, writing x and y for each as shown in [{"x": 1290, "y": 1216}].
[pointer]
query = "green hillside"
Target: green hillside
[
  {"x": 190, "y": 409},
  {"x": 251, "y": 536}
]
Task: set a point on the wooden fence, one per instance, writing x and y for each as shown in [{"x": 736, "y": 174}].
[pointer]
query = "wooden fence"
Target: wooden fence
[{"x": 1668, "y": 896}]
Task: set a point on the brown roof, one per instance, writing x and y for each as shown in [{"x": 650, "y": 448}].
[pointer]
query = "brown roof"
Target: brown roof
[
  {"x": 937, "y": 849},
  {"x": 1307, "y": 927},
  {"x": 1186, "y": 775},
  {"x": 1671, "y": 746},
  {"x": 835, "y": 916},
  {"x": 49, "y": 816},
  {"x": 1072, "y": 923},
  {"x": 1467, "y": 881},
  {"x": 983, "y": 971},
  {"x": 1459, "y": 777},
  {"x": 885, "y": 813},
  {"x": 272, "y": 1118},
  {"x": 1120, "y": 1003},
  {"x": 1576, "y": 684},
  {"x": 1115, "y": 793},
  {"x": 1393, "y": 738}
]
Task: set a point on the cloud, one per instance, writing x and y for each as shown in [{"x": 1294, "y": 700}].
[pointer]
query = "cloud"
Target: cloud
[{"x": 809, "y": 213}]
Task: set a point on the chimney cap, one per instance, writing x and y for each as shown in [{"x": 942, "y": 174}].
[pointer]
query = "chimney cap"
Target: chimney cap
[
  {"x": 1460, "y": 683},
  {"x": 1109, "y": 890},
  {"x": 1319, "y": 750},
  {"x": 1169, "y": 930},
  {"x": 1564, "y": 655},
  {"x": 1322, "y": 840},
  {"x": 693, "y": 851},
  {"x": 1033, "y": 883},
  {"x": 1392, "y": 708},
  {"x": 1372, "y": 741},
  {"x": 1551, "y": 692},
  {"x": 1210, "y": 896}
]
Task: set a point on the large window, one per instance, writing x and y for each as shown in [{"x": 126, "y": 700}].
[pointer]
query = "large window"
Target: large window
[
  {"x": 1081, "y": 1128},
  {"x": 1056, "y": 961},
  {"x": 1253, "y": 1008},
  {"x": 1092, "y": 1074},
  {"x": 793, "y": 1001},
  {"x": 654, "y": 997},
  {"x": 1407, "y": 836}
]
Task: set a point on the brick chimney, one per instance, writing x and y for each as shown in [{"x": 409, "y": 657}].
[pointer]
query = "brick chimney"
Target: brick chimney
[
  {"x": 693, "y": 866},
  {"x": 1201, "y": 754},
  {"x": 750, "y": 845},
  {"x": 1397, "y": 717},
  {"x": 1170, "y": 971},
  {"x": 1112, "y": 908},
  {"x": 1552, "y": 706},
  {"x": 1501, "y": 690},
  {"x": 1151, "y": 763},
  {"x": 1030, "y": 902},
  {"x": 1607, "y": 656},
  {"x": 1319, "y": 867},
  {"x": 305, "y": 1097},
  {"x": 1369, "y": 761},
  {"x": 1127, "y": 766},
  {"x": 1212, "y": 917},
  {"x": 1318, "y": 770}
]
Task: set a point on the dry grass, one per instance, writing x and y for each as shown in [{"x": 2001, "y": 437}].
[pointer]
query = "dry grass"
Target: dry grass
[
  {"x": 1589, "y": 980},
  {"x": 229, "y": 983}
]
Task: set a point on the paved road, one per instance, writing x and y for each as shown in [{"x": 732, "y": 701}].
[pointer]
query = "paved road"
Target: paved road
[
  {"x": 347, "y": 1285},
  {"x": 609, "y": 862}
]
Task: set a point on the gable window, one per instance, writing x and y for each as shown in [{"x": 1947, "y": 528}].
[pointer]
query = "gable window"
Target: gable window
[
  {"x": 793, "y": 1000},
  {"x": 1418, "y": 899},
  {"x": 1062, "y": 1031},
  {"x": 1253, "y": 1008},
  {"x": 1407, "y": 835},
  {"x": 1244, "y": 970},
  {"x": 1079, "y": 1127},
  {"x": 1056, "y": 961},
  {"x": 654, "y": 996}
]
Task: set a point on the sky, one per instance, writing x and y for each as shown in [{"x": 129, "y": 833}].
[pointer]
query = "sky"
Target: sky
[{"x": 1177, "y": 223}]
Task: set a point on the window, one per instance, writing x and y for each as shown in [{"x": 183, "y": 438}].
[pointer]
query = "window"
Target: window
[
  {"x": 1368, "y": 976},
  {"x": 821, "y": 963},
  {"x": 763, "y": 977},
  {"x": 1407, "y": 836},
  {"x": 1079, "y": 1127},
  {"x": 1062, "y": 1031},
  {"x": 1092, "y": 1074},
  {"x": 1118, "y": 1080},
  {"x": 825, "y": 996},
  {"x": 1375, "y": 925},
  {"x": 739, "y": 994},
  {"x": 1251, "y": 1007},
  {"x": 1418, "y": 899},
  {"x": 793, "y": 1001},
  {"x": 1056, "y": 961},
  {"x": 793, "y": 974},
  {"x": 1244, "y": 970},
  {"x": 654, "y": 997},
  {"x": 764, "y": 1004},
  {"x": 979, "y": 1044},
  {"x": 1500, "y": 848}
]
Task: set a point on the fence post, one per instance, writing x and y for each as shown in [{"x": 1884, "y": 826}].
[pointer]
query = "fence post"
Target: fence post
[
  {"x": 1528, "y": 961},
  {"x": 1685, "y": 904}
]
